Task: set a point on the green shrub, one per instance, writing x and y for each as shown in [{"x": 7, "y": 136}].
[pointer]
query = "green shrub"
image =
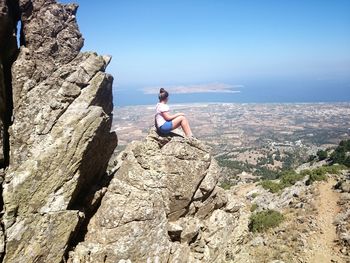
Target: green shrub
[
  {"x": 289, "y": 178},
  {"x": 253, "y": 207},
  {"x": 254, "y": 195},
  {"x": 261, "y": 221},
  {"x": 305, "y": 172},
  {"x": 316, "y": 177},
  {"x": 320, "y": 173},
  {"x": 311, "y": 158},
  {"x": 224, "y": 161},
  {"x": 322, "y": 155},
  {"x": 266, "y": 173},
  {"x": 333, "y": 169},
  {"x": 272, "y": 186},
  {"x": 225, "y": 185},
  {"x": 340, "y": 154}
]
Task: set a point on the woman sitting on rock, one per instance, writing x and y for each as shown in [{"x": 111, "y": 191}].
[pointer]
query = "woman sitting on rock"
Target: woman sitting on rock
[{"x": 164, "y": 121}]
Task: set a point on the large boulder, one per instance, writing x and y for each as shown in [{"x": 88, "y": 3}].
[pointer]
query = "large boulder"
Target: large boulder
[
  {"x": 60, "y": 137},
  {"x": 162, "y": 205}
]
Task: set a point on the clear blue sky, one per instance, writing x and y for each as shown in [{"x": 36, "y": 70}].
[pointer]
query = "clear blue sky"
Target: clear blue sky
[{"x": 198, "y": 41}]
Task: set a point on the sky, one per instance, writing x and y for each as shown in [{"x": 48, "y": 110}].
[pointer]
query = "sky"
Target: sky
[{"x": 239, "y": 42}]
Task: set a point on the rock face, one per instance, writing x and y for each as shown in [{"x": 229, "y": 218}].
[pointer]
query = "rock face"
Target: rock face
[
  {"x": 61, "y": 200},
  {"x": 342, "y": 221},
  {"x": 60, "y": 139},
  {"x": 162, "y": 205}
]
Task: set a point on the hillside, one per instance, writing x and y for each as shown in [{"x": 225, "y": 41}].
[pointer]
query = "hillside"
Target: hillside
[{"x": 68, "y": 195}]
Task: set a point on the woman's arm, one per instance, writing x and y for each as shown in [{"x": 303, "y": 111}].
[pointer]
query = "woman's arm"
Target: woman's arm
[{"x": 166, "y": 115}]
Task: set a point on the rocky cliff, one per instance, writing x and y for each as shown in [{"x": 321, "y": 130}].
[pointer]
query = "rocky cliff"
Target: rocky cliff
[
  {"x": 56, "y": 105},
  {"x": 162, "y": 205},
  {"x": 158, "y": 200},
  {"x": 67, "y": 196}
]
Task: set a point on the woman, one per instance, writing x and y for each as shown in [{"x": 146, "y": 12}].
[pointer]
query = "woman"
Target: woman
[{"x": 164, "y": 121}]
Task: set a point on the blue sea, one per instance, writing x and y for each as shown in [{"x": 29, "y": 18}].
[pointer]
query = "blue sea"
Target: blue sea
[{"x": 291, "y": 92}]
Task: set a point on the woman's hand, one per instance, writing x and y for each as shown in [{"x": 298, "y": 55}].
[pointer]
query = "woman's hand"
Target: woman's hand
[{"x": 180, "y": 114}]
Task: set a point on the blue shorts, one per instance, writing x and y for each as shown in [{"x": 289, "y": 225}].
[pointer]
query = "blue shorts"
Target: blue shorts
[{"x": 166, "y": 127}]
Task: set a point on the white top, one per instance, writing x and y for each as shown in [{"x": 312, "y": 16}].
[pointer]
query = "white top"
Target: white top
[{"x": 161, "y": 107}]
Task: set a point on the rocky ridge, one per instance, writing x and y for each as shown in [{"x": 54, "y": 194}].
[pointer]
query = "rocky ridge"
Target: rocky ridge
[
  {"x": 342, "y": 220},
  {"x": 67, "y": 195},
  {"x": 315, "y": 226},
  {"x": 162, "y": 205},
  {"x": 159, "y": 200},
  {"x": 56, "y": 116}
]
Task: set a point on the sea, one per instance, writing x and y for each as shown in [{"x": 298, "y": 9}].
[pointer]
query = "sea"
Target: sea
[{"x": 259, "y": 93}]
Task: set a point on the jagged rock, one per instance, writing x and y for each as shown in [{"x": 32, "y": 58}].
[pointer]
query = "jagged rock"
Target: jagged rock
[
  {"x": 153, "y": 208},
  {"x": 257, "y": 241},
  {"x": 60, "y": 137},
  {"x": 191, "y": 227},
  {"x": 267, "y": 200},
  {"x": 345, "y": 186},
  {"x": 2, "y": 242},
  {"x": 342, "y": 223},
  {"x": 46, "y": 235}
]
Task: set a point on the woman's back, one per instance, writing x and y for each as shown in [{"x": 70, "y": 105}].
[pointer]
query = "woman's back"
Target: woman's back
[{"x": 160, "y": 108}]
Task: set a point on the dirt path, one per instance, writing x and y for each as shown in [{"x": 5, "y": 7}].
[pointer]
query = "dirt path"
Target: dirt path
[{"x": 323, "y": 242}]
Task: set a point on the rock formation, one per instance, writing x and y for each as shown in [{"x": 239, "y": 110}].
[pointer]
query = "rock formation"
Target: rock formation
[
  {"x": 67, "y": 196},
  {"x": 60, "y": 139},
  {"x": 342, "y": 221},
  {"x": 162, "y": 205},
  {"x": 160, "y": 199}
]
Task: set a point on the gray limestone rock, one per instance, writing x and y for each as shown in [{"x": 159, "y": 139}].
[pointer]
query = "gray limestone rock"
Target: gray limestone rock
[
  {"x": 345, "y": 186},
  {"x": 162, "y": 204},
  {"x": 157, "y": 201},
  {"x": 60, "y": 138}
]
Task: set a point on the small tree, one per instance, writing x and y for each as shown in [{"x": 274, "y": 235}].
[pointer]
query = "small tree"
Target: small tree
[
  {"x": 322, "y": 155},
  {"x": 261, "y": 221}
]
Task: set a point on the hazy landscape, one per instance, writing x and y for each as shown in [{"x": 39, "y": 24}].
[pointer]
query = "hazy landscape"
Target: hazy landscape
[
  {"x": 233, "y": 128},
  {"x": 253, "y": 139},
  {"x": 256, "y": 139},
  {"x": 272, "y": 157},
  {"x": 86, "y": 178}
]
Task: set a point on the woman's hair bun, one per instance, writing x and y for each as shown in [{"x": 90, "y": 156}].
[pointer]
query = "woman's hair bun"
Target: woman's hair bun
[{"x": 163, "y": 94}]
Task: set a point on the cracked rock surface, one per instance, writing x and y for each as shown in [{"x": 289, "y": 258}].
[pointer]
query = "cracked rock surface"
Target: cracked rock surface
[
  {"x": 64, "y": 198},
  {"x": 162, "y": 204},
  {"x": 60, "y": 139}
]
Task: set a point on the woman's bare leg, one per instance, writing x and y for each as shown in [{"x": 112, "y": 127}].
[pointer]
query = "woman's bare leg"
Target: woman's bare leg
[{"x": 183, "y": 122}]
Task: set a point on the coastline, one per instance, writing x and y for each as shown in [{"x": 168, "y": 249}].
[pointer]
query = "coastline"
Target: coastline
[{"x": 202, "y": 104}]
